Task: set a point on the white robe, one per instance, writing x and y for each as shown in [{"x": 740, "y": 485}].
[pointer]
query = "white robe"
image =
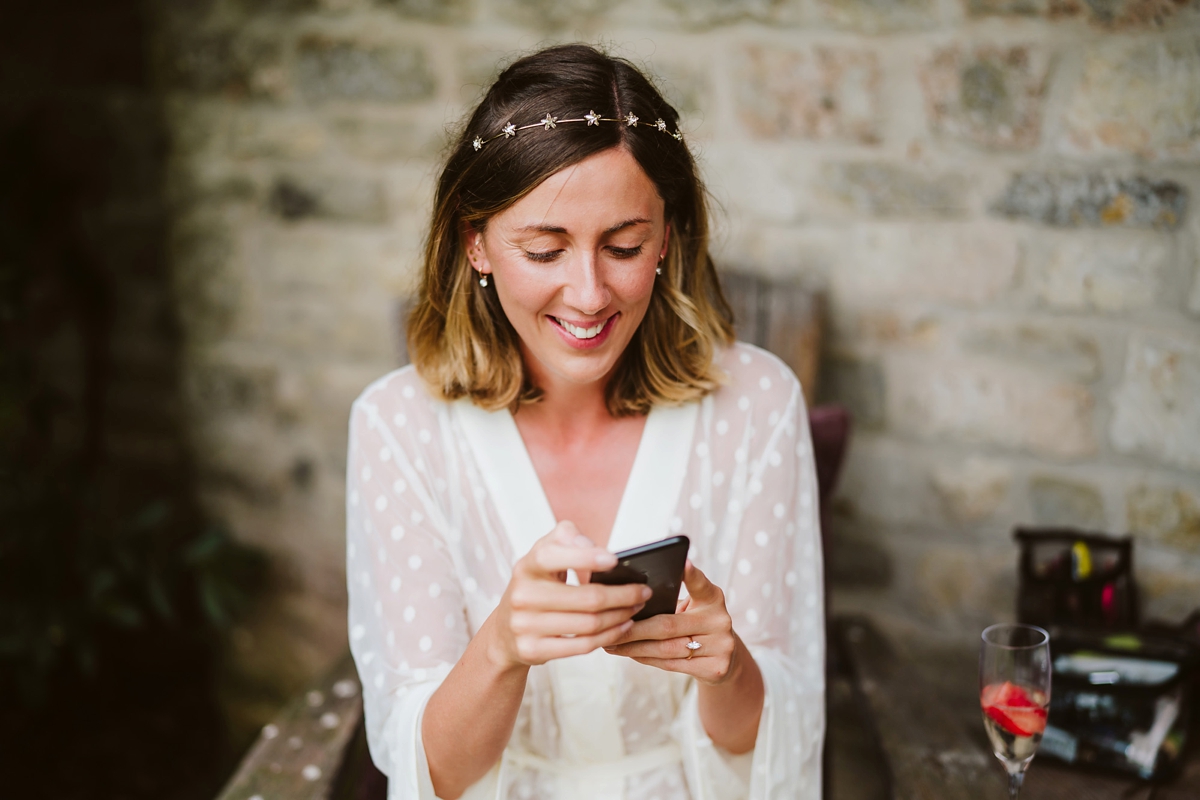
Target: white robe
[{"x": 442, "y": 499}]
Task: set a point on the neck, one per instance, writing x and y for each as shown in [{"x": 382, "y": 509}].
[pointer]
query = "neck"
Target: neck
[{"x": 567, "y": 411}]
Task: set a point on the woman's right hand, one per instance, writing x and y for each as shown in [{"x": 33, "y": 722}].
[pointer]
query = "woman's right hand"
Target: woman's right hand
[{"x": 541, "y": 618}]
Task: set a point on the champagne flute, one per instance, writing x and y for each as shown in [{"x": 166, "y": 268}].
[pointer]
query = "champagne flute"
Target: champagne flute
[{"x": 1014, "y": 693}]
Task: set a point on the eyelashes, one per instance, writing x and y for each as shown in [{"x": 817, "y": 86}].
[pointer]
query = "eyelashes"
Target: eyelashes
[{"x": 617, "y": 252}]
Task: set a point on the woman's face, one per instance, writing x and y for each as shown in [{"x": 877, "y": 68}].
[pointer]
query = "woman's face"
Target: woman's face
[{"x": 574, "y": 265}]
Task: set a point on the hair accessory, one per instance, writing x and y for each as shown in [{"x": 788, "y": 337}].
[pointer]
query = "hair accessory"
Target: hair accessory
[
  {"x": 483, "y": 280},
  {"x": 550, "y": 122}
]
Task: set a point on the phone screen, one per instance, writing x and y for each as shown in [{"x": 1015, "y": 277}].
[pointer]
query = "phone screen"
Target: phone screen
[{"x": 659, "y": 565}]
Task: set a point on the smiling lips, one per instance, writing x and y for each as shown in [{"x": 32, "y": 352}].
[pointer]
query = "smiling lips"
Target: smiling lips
[{"x": 582, "y": 332}]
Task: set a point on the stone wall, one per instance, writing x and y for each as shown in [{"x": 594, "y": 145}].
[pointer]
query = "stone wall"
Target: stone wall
[{"x": 996, "y": 195}]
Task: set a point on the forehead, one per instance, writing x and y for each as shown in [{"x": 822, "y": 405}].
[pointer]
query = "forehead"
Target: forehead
[{"x": 604, "y": 189}]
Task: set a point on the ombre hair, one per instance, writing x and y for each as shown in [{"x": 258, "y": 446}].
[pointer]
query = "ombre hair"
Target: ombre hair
[{"x": 459, "y": 337}]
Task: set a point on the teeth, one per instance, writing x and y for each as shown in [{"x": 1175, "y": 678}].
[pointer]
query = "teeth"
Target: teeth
[{"x": 581, "y": 333}]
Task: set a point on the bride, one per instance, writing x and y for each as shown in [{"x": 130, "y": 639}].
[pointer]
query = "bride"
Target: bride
[{"x": 575, "y": 391}]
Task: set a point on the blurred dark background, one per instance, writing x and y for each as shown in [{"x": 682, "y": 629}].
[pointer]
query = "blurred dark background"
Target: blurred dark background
[{"x": 115, "y": 593}]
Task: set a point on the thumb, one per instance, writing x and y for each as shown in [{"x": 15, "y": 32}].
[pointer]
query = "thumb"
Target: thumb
[{"x": 700, "y": 588}]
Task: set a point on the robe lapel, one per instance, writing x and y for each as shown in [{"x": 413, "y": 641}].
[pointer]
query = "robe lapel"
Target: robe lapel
[
  {"x": 661, "y": 463},
  {"x": 508, "y": 472},
  {"x": 650, "y": 497}
]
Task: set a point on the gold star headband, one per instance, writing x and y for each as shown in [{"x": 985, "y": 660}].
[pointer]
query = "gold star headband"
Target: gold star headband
[{"x": 591, "y": 118}]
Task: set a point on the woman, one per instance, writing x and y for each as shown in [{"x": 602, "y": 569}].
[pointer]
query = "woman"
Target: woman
[{"x": 576, "y": 390}]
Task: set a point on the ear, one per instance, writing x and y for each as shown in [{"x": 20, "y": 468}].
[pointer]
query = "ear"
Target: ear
[
  {"x": 666, "y": 237},
  {"x": 472, "y": 243}
]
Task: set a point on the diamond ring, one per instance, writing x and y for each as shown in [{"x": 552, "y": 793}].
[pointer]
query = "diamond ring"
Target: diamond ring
[{"x": 692, "y": 646}]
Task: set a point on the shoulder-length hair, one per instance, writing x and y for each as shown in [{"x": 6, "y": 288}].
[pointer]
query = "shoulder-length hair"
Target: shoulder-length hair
[{"x": 459, "y": 337}]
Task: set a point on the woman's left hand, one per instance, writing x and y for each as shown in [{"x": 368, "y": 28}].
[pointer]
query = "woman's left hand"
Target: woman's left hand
[{"x": 662, "y": 641}]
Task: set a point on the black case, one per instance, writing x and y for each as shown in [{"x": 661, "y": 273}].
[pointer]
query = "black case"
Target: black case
[
  {"x": 1091, "y": 724},
  {"x": 659, "y": 564}
]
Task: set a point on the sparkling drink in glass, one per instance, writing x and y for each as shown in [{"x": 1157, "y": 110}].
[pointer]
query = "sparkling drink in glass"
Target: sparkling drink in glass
[{"x": 1014, "y": 694}]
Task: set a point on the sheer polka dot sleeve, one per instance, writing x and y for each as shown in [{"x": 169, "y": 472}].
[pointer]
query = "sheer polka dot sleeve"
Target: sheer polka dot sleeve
[
  {"x": 769, "y": 564},
  {"x": 407, "y": 618}
]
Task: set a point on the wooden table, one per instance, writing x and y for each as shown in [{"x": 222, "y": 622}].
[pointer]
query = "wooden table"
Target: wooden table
[{"x": 921, "y": 701}]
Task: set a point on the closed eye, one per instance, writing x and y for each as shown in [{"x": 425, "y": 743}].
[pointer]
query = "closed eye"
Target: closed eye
[
  {"x": 625, "y": 252},
  {"x": 548, "y": 255}
]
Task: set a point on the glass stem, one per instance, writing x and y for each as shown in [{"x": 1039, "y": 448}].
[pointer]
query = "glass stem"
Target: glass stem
[{"x": 1014, "y": 783}]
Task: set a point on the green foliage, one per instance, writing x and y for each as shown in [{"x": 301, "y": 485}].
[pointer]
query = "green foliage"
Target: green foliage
[{"x": 72, "y": 574}]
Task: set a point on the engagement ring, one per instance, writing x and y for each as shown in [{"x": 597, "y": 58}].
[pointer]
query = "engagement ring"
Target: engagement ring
[{"x": 692, "y": 646}]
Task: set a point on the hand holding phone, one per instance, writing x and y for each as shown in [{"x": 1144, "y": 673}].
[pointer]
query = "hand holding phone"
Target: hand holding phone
[{"x": 659, "y": 565}]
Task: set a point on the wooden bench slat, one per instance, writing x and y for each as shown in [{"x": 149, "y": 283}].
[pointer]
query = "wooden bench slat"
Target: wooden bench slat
[{"x": 300, "y": 755}]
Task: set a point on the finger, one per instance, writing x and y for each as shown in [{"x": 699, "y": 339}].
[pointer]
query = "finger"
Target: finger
[
  {"x": 667, "y": 649},
  {"x": 699, "y": 587},
  {"x": 663, "y": 626},
  {"x": 540, "y": 649},
  {"x": 549, "y": 595},
  {"x": 558, "y": 623},
  {"x": 550, "y": 558}
]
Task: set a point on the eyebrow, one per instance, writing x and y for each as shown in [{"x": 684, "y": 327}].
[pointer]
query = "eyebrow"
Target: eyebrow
[{"x": 559, "y": 229}]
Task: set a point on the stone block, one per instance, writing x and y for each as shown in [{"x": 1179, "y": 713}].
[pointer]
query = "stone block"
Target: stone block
[
  {"x": 872, "y": 329},
  {"x": 1094, "y": 200},
  {"x": 223, "y": 61},
  {"x": 1109, "y": 273},
  {"x": 220, "y": 386},
  {"x": 1061, "y": 502},
  {"x": 687, "y": 86},
  {"x": 987, "y": 95},
  {"x": 382, "y": 135},
  {"x": 890, "y": 190},
  {"x": 1155, "y": 408},
  {"x": 816, "y": 93},
  {"x": 754, "y": 185},
  {"x": 1167, "y": 592},
  {"x": 876, "y": 16},
  {"x": 1194, "y": 302},
  {"x": 856, "y": 384},
  {"x": 1105, "y": 13},
  {"x": 443, "y": 11},
  {"x": 1141, "y": 98},
  {"x": 960, "y": 586},
  {"x": 334, "y": 69},
  {"x": 710, "y": 13},
  {"x": 988, "y": 402},
  {"x": 1168, "y": 515},
  {"x": 973, "y": 489},
  {"x": 553, "y": 14},
  {"x": 209, "y": 294},
  {"x": 288, "y": 135},
  {"x": 960, "y": 264},
  {"x": 1052, "y": 350},
  {"x": 885, "y": 482},
  {"x": 335, "y": 196}
]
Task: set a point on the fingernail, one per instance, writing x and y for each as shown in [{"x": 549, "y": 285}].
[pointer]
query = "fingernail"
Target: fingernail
[
  {"x": 605, "y": 559},
  {"x": 647, "y": 592},
  {"x": 584, "y": 541}
]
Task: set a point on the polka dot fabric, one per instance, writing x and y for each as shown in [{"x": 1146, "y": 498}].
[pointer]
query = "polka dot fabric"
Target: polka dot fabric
[{"x": 428, "y": 559}]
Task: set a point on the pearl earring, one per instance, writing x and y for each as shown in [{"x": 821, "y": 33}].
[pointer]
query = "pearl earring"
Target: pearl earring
[{"x": 483, "y": 280}]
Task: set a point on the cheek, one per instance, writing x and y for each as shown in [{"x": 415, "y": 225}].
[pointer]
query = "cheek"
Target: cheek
[
  {"x": 634, "y": 287},
  {"x": 522, "y": 291}
]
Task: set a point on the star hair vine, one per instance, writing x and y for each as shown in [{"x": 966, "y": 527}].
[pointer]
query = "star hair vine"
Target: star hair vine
[{"x": 549, "y": 122}]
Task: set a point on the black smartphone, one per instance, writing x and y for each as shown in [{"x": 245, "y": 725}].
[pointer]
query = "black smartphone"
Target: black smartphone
[{"x": 659, "y": 565}]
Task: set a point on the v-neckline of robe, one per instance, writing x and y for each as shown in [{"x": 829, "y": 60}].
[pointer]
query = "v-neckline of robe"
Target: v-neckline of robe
[{"x": 651, "y": 492}]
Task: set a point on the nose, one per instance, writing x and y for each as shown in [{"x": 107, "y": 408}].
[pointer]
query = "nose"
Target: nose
[{"x": 587, "y": 289}]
